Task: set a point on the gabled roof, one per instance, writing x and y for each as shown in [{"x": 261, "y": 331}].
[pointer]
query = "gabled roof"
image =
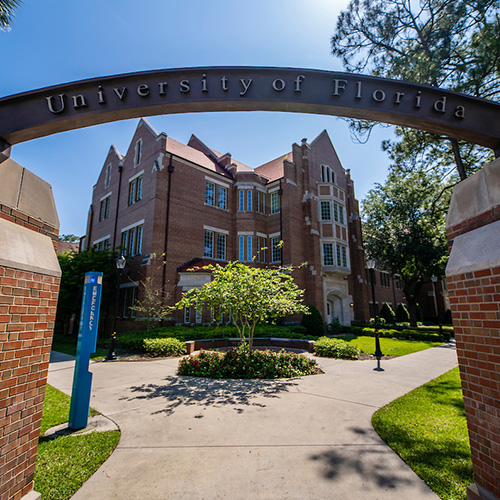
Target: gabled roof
[{"x": 273, "y": 169}]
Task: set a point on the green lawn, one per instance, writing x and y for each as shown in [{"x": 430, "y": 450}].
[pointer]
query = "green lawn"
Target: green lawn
[
  {"x": 65, "y": 463},
  {"x": 427, "y": 429},
  {"x": 390, "y": 347},
  {"x": 67, "y": 345}
]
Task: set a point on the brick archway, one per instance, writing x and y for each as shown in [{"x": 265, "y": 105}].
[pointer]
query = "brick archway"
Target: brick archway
[{"x": 29, "y": 273}]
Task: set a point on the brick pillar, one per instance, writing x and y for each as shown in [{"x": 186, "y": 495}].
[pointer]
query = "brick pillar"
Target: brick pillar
[
  {"x": 29, "y": 286},
  {"x": 473, "y": 276}
]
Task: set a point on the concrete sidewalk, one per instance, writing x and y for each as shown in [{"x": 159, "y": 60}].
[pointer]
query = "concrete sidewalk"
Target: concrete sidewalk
[{"x": 309, "y": 438}]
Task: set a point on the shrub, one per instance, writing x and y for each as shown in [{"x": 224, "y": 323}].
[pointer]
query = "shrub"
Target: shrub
[
  {"x": 335, "y": 326},
  {"x": 313, "y": 322},
  {"x": 243, "y": 363},
  {"x": 420, "y": 315},
  {"x": 163, "y": 347},
  {"x": 335, "y": 348},
  {"x": 402, "y": 314},
  {"x": 388, "y": 314},
  {"x": 380, "y": 322},
  {"x": 447, "y": 317}
]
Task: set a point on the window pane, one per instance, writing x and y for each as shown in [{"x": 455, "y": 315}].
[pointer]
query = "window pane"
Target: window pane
[
  {"x": 124, "y": 241},
  {"x": 341, "y": 214},
  {"x": 222, "y": 202},
  {"x": 210, "y": 194},
  {"x": 328, "y": 254},
  {"x": 241, "y": 206},
  {"x": 139, "y": 240},
  {"x": 131, "y": 192},
  {"x": 138, "y": 194},
  {"x": 108, "y": 204},
  {"x": 326, "y": 213},
  {"x": 209, "y": 244},
  {"x": 249, "y": 201},
  {"x": 241, "y": 251},
  {"x": 275, "y": 202},
  {"x": 221, "y": 246},
  {"x": 249, "y": 247},
  {"x": 276, "y": 250},
  {"x": 131, "y": 242},
  {"x": 336, "y": 212}
]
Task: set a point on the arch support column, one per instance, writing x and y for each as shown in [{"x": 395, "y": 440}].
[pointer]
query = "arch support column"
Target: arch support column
[
  {"x": 29, "y": 287},
  {"x": 473, "y": 277}
]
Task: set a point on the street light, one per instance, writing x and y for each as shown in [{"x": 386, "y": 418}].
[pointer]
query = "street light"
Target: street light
[
  {"x": 436, "y": 303},
  {"x": 120, "y": 265},
  {"x": 370, "y": 264}
]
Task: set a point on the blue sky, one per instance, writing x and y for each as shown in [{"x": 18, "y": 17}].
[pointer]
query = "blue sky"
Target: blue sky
[{"x": 54, "y": 42}]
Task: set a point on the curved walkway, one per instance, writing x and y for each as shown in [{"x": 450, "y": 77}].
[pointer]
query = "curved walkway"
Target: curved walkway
[{"x": 309, "y": 438}]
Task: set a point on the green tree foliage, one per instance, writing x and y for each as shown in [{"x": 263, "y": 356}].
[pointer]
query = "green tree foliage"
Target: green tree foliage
[
  {"x": 388, "y": 314},
  {"x": 404, "y": 230},
  {"x": 7, "y": 8},
  {"x": 453, "y": 44},
  {"x": 402, "y": 314},
  {"x": 249, "y": 294},
  {"x": 73, "y": 268},
  {"x": 313, "y": 321},
  {"x": 69, "y": 237}
]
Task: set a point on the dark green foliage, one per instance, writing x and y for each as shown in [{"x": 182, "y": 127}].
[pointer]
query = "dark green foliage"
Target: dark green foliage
[
  {"x": 336, "y": 327},
  {"x": 420, "y": 316},
  {"x": 388, "y": 314},
  {"x": 447, "y": 317},
  {"x": 431, "y": 335},
  {"x": 244, "y": 363},
  {"x": 313, "y": 322},
  {"x": 402, "y": 314},
  {"x": 335, "y": 348},
  {"x": 73, "y": 268},
  {"x": 163, "y": 347}
]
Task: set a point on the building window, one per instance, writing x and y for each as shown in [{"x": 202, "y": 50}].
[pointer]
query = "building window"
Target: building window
[
  {"x": 138, "y": 152},
  {"x": 326, "y": 211},
  {"x": 102, "y": 245},
  {"x": 241, "y": 248},
  {"x": 276, "y": 250},
  {"x": 221, "y": 246},
  {"x": 261, "y": 202},
  {"x": 187, "y": 314},
  {"x": 135, "y": 190},
  {"x": 199, "y": 313},
  {"x": 210, "y": 194},
  {"x": 341, "y": 255},
  {"x": 261, "y": 249},
  {"x": 107, "y": 178},
  {"x": 209, "y": 244},
  {"x": 249, "y": 201},
  {"x": 127, "y": 301},
  {"x": 328, "y": 254},
  {"x": 338, "y": 213},
  {"x": 241, "y": 198},
  {"x": 249, "y": 248},
  {"x": 399, "y": 284},
  {"x": 384, "y": 279},
  {"x": 327, "y": 174},
  {"x": 105, "y": 208},
  {"x": 222, "y": 200},
  {"x": 275, "y": 202},
  {"x": 132, "y": 241}
]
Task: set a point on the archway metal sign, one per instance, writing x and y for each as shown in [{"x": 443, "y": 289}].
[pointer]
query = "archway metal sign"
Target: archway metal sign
[{"x": 50, "y": 110}]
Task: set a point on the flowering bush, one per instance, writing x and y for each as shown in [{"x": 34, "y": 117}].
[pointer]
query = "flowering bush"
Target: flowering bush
[
  {"x": 335, "y": 348},
  {"x": 244, "y": 363}
]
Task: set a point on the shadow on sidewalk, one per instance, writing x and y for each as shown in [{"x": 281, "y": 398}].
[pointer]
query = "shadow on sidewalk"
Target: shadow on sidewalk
[{"x": 203, "y": 392}]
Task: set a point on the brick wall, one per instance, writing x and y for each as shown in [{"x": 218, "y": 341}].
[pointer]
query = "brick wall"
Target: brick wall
[
  {"x": 28, "y": 302},
  {"x": 27, "y": 311},
  {"x": 473, "y": 276}
]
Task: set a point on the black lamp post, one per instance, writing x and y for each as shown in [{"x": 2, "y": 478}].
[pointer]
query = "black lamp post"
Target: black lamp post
[
  {"x": 370, "y": 264},
  {"x": 436, "y": 303},
  {"x": 120, "y": 265}
]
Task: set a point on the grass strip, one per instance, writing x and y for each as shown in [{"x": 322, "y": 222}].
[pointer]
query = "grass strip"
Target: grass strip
[
  {"x": 427, "y": 428},
  {"x": 65, "y": 463},
  {"x": 390, "y": 347}
]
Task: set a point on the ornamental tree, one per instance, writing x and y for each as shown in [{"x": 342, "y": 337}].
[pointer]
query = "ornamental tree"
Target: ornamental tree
[{"x": 250, "y": 295}]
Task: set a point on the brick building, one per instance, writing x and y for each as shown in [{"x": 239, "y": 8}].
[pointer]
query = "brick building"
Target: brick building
[{"x": 164, "y": 201}]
